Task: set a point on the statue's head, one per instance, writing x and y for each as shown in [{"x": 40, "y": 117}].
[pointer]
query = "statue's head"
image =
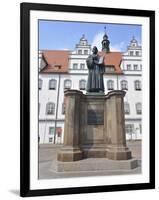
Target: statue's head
[{"x": 95, "y": 50}]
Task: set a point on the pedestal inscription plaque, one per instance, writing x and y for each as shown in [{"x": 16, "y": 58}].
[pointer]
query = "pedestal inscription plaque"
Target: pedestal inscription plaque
[{"x": 95, "y": 117}]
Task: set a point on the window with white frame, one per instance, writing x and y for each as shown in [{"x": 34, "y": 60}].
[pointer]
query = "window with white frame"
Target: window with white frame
[
  {"x": 109, "y": 69},
  {"x": 51, "y": 130},
  {"x": 110, "y": 85},
  {"x": 82, "y": 66},
  {"x": 50, "y": 108},
  {"x": 75, "y": 66},
  {"x": 79, "y": 51},
  {"x": 67, "y": 84},
  {"x": 137, "y": 85},
  {"x": 39, "y": 107},
  {"x": 128, "y": 67},
  {"x": 137, "y": 53},
  {"x": 40, "y": 84},
  {"x": 124, "y": 85},
  {"x": 138, "y": 108},
  {"x": 129, "y": 128},
  {"x": 82, "y": 84},
  {"x": 131, "y": 53},
  {"x": 127, "y": 108},
  {"x": 140, "y": 66},
  {"x": 52, "y": 84},
  {"x": 85, "y": 52},
  {"x": 63, "y": 108},
  {"x": 140, "y": 127},
  {"x": 135, "y": 67}
]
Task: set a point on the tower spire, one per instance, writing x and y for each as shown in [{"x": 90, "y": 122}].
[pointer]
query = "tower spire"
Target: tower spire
[{"x": 105, "y": 42}]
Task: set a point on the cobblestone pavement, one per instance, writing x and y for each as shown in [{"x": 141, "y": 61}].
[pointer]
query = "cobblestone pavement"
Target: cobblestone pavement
[{"x": 48, "y": 157}]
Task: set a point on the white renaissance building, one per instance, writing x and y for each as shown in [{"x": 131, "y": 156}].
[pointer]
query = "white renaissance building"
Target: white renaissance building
[{"x": 60, "y": 70}]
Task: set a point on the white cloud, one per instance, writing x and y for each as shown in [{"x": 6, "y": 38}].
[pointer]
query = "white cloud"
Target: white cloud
[
  {"x": 117, "y": 47},
  {"x": 98, "y": 39}
]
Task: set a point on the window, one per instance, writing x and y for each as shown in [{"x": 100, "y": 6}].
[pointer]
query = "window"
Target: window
[
  {"x": 140, "y": 67},
  {"x": 58, "y": 131},
  {"x": 129, "y": 128},
  {"x": 52, "y": 84},
  {"x": 40, "y": 84},
  {"x": 82, "y": 66},
  {"x": 75, "y": 65},
  {"x": 50, "y": 140},
  {"x": 126, "y": 108},
  {"x": 51, "y": 130},
  {"x": 86, "y": 52},
  {"x": 140, "y": 127},
  {"x": 137, "y": 85},
  {"x": 50, "y": 108},
  {"x": 131, "y": 53},
  {"x": 137, "y": 53},
  {"x": 124, "y": 85},
  {"x": 135, "y": 67},
  {"x": 110, "y": 85},
  {"x": 138, "y": 109},
  {"x": 82, "y": 84},
  {"x": 128, "y": 67},
  {"x": 39, "y": 107},
  {"x": 67, "y": 84},
  {"x": 63, "y": 108},
  {"x": 109, "y": 69},
  {"x": 80, "y": 51}
]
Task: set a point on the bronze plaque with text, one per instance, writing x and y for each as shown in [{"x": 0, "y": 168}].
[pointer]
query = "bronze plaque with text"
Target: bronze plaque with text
[{"x": 95, "y": 117}]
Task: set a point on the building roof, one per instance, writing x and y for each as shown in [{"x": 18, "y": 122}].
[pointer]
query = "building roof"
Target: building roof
[
  {"x": 112, "y": 59},
  {"x": 57, "y": 61}
]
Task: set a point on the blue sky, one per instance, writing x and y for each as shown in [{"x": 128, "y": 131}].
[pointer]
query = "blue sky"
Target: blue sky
[{"x": 61, "y": 35}]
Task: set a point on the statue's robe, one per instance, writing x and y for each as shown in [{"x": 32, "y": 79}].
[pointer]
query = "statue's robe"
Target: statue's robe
[{"x": 95, "y": 73}]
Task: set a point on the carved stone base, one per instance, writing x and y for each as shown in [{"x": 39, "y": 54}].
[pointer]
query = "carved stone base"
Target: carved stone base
[
  {"x": 94, "y": 151},
  {"x": 118, "y": 153},
  {"x": 69, "y": 154},
  {"x": 96, "y": 164}
]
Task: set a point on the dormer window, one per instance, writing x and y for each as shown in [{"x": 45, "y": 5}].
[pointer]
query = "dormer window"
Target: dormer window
[
  {"x": 56, "y": 66},
  {"x": 131, "y": 53},
  {"x": 109, "y": 69},
  {"x": 128, "y": 67},
  {"x": 80, "y": 51},
  {"x": 135, "y": 67},
  {"x": 75, "y": 65},
  {"x": 137, "y": 53}
]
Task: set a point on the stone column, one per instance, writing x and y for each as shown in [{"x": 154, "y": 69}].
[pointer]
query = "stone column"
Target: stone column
[
  {"x": 116, "y": 148},
  {"x": 71, "y": 151}
]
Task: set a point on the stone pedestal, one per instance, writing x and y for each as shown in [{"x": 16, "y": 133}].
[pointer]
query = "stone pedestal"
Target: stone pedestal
[
  {"x": 71, "y": 150},
  {"x": 94, "y": 127},
  {"x": 116, "y": 145}
]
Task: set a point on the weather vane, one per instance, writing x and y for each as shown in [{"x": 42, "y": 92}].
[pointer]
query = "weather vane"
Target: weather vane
[{"x": 105, "y": 28}]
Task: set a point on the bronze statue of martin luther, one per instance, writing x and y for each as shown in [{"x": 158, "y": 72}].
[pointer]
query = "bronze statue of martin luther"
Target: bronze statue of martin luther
[{"x": 95, "y": 72}]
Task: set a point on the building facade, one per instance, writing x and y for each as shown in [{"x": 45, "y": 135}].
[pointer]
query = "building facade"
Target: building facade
[{"x": 61, "y": 70}]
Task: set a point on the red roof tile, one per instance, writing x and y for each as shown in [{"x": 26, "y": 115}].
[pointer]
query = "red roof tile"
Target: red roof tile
[
  {"x": 112, "y": 59},
  {"x": 57, "y": 61}
]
